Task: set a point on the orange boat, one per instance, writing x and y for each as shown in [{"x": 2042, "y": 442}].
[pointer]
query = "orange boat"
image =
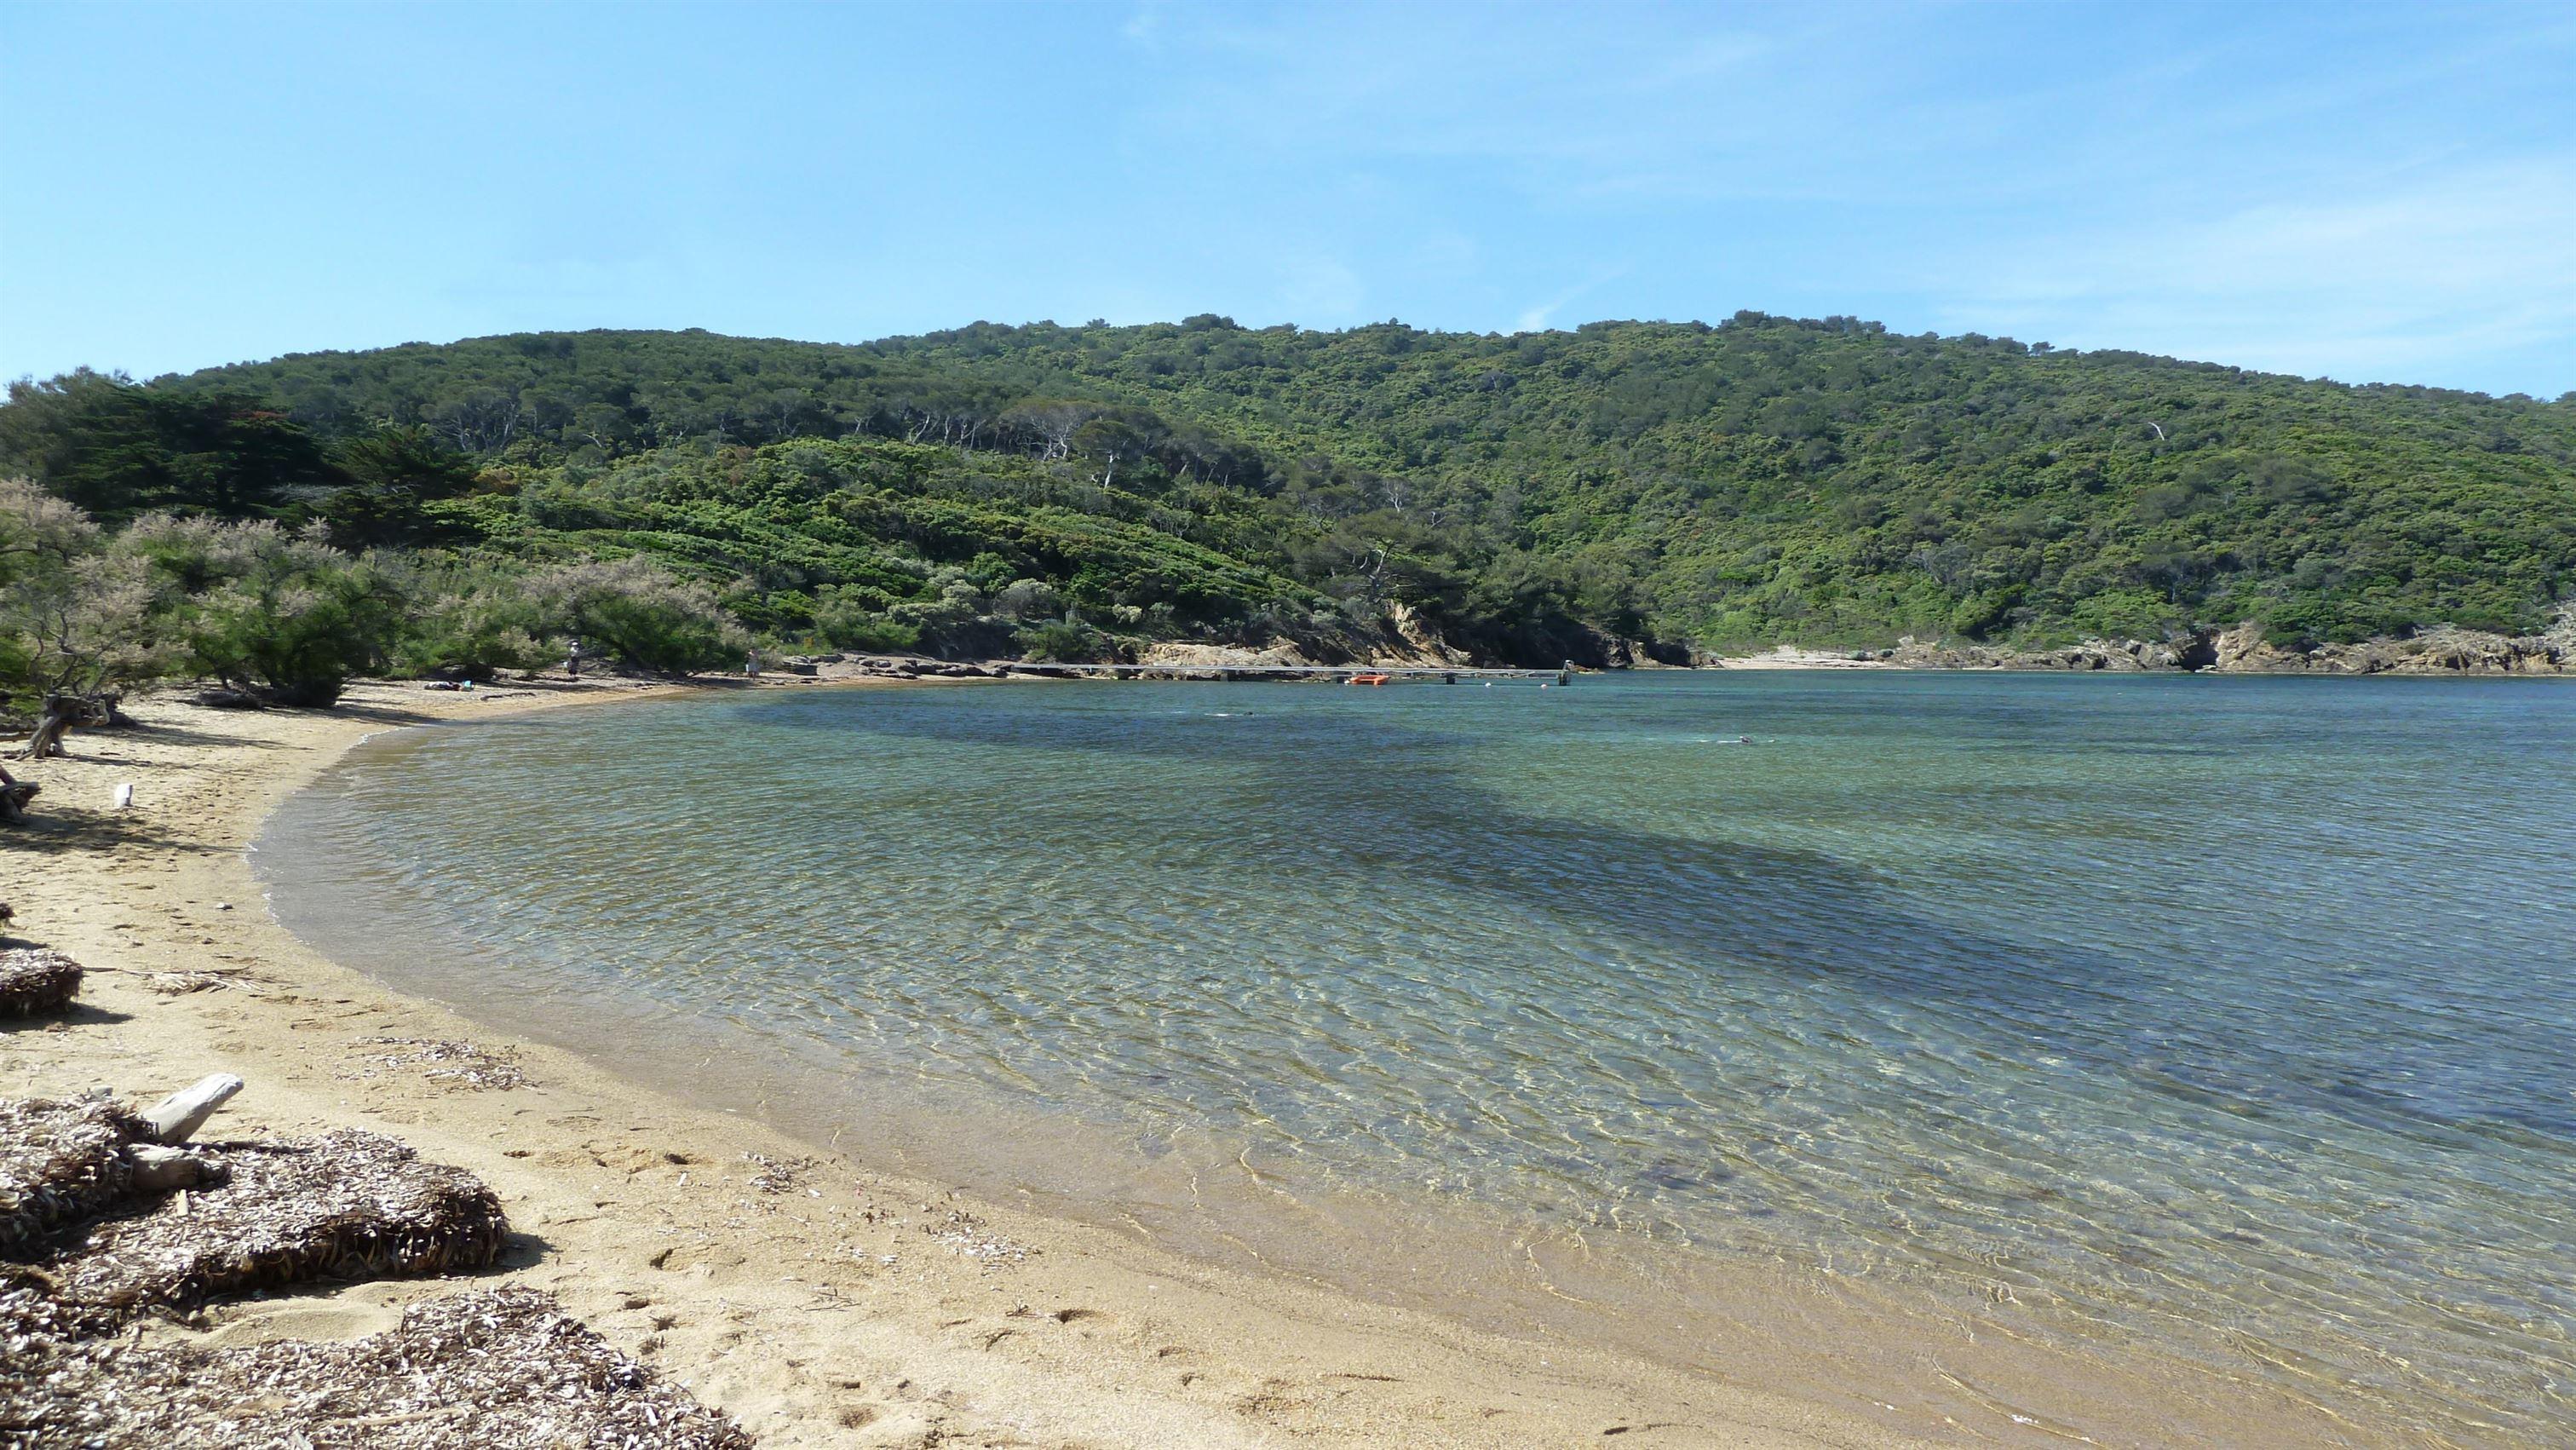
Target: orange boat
[{"x": 1367, "y": 679}]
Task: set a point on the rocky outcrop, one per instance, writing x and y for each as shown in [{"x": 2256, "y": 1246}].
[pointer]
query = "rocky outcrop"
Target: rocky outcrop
[
  {"x": 1181, "y": 652},
  {"x": 2114, "y": 655},
  {"x": 889, "y": 667},
  {"x": 1417, "y": 642},
  {"x": 2437, "y": 651},
  {"x": 2243, "y": 650}
]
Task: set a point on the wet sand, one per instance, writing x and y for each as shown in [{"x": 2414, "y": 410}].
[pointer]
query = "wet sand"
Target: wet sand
[{"x": 826, "y": 1303}]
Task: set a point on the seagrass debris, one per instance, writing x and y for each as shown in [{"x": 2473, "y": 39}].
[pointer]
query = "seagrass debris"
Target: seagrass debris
[
  {"x": 60, "y": 1163},
  {"x": 451, "y": 1064},
  {"x": 496, "y": 1370},
  {"x": 344, "y": 1205},
  {"x": 36, "y": 979}
]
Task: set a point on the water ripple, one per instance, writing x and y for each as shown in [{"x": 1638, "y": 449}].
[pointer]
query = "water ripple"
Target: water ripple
[{"x": 2226, "y": 1013}]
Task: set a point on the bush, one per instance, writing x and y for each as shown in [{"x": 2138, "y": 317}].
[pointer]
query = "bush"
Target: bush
[
  {"x": 639, "y": 614},
  {"x": 282, "y": 615},
  {"x": 467, "y": 626},
  {"x": 76, "y": 614},
  {"x": 846, "y": 624},
  {"x": 1062, "y": 640},
  {"x": 1027, "y": 599}
]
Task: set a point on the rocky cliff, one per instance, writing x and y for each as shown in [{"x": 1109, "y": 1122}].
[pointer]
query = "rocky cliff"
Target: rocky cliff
[{"x": 2441, "y": 650}]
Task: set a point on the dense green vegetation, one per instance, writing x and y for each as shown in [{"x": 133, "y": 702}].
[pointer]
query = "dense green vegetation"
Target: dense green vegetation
[{"x": 1064, "y": 489}]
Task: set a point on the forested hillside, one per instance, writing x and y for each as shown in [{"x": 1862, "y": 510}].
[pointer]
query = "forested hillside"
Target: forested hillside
[{"x": 1762, "y": 481}]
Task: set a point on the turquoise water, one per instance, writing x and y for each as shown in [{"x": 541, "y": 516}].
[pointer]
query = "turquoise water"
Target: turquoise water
[{"x": 2227, "y": 1016}]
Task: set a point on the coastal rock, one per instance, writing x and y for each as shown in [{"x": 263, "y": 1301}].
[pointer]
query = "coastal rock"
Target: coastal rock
[
  {"x": 1422, "y": 644},
  {"x": 2440, "y": 650},
  {"x": 2242, "y": 649},
  {"x": 1186, "y": 653}
]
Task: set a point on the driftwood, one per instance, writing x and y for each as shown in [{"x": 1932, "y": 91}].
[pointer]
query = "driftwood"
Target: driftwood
[
  {"x": 33, "y": 980},
  {"x": 176, "y": 1117},
  {"x": 60, "y": 714},
  {"x": 160, "y": 1170},
  {"x": 499, "y": 1370},
  {"x": 225, "y": 697},
  {"x": 14, "y": 795}
]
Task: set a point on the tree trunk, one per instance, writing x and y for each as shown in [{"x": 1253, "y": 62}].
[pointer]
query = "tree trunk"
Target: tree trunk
[{"x": 61, "y": 713}]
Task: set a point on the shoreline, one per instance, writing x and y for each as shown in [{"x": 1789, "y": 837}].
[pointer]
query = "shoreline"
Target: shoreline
[
  {"x": 849, "y": 1308},
  {"x": 853, "y": 1306}
]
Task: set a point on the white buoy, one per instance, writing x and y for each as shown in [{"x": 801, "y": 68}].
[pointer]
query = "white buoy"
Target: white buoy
[{"x": 125, "y": 795}]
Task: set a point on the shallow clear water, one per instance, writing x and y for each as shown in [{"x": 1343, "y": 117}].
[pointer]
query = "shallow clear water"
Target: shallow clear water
[{"x": 2231, "y": 1016}]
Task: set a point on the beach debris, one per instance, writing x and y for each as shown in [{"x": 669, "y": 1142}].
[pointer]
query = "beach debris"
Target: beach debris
[
  {"x": 457, "y": 1064},
  {"x": 123, "y": 796},
  {"x": 60, "y": 1163},
  {"x": 259, "y": 1215},
  {"x": 501, "y": 1369},
  {"x": 777, "y": 1175},
  {"x": 965, "y": 1235},
  {"x": 177, "y": 1117},
  {"x": 159, "y": 1169},
  {"x": 14, "y": 795},
  {"x": 36, "y": 979},
  {"x": 180, "y": 984}
]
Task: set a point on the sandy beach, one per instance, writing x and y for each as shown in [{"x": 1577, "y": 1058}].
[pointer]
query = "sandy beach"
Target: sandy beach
[{"x": 818, "y": 1303}]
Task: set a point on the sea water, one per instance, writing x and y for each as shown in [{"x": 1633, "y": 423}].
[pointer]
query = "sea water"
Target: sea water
[{"x": 2234, "y": 1018}]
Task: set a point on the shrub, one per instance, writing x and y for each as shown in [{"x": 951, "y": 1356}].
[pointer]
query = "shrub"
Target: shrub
[
  {"x": 639, "y": 614},
  {"x": 845, "y": 623},
  {"x": 467, "y": 625},
  {"x": 1026, "y": 599},
  {"x": 1062, "y": 640},
  {"x": 76, "y": 614},
  {"x": 283, "y": 615}
]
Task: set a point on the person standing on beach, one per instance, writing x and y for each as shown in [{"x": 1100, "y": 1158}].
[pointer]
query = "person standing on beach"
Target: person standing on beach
[{"x": 572, "y": 658}]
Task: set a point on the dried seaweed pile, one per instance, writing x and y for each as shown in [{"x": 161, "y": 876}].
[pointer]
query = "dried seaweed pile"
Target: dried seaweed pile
[
  {"x": 346, "y": 1205},
  {"x": 60, "y": 1163},
  {"x": 778, "y": 1175},
  {"x": 36, "y": 979},
  {"x": 454, "y": 1064},
  {"x": 499, "y": 1370}
]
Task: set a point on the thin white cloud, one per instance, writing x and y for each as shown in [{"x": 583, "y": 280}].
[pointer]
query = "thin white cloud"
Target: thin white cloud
[
  {"x": 1534, "y": 319},
  {"x": 2378, "y": 280}
]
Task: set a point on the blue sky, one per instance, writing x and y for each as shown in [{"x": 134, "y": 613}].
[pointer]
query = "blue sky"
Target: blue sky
[{"x": 2362, "y": 192}]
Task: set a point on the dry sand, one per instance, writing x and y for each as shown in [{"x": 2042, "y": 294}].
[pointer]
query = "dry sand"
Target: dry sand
[{"x": 818, "y": 1303}]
